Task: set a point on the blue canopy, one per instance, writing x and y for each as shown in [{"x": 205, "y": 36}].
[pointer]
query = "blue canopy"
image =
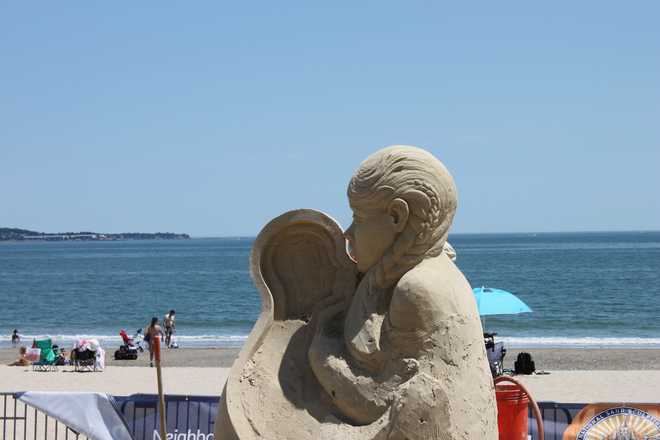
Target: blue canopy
[{"x": 498, "y": 302}]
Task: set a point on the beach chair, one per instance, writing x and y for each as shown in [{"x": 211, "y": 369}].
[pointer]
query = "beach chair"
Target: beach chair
[
  {"x": 47, "y": 355},
  {"x": 496, "y": 353},
  {"x": 83, "y": 359}
]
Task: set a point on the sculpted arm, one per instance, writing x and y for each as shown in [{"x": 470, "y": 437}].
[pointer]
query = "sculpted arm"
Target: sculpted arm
[
  {"x": 360, "y": 393},
  {"x": 354, "y": 392}
]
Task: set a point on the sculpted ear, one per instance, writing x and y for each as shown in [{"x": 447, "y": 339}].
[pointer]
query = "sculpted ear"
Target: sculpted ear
[{"x": 398, "y": 210}]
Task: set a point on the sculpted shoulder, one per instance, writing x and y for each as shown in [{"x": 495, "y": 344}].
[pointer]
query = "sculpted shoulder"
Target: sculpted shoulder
[{"x": 426, "y": 294}]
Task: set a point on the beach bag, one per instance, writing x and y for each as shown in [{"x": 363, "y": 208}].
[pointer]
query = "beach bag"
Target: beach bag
[{"x": 524, "y": 364}]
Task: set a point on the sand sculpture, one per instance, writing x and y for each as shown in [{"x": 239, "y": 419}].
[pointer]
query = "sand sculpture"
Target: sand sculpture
[{"x": 386, "y": 344}]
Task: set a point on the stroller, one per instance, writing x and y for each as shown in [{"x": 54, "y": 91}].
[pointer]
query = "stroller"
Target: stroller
[
  {"x": 138, "y": 339},
  {"x": 496, "y": 353},
  {"x": 128, "y": 350}
]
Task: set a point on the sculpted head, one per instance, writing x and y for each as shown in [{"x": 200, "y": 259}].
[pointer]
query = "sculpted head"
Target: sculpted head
[{"x": 403, "y": 201}]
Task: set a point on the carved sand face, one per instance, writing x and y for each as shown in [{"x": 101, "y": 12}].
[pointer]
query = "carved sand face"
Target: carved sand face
[
  {"x": 373, "y": 232},
  {"x": 404, "y": 200}
]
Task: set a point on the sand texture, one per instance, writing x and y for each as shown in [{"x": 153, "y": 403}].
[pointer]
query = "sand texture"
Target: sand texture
[
  {"x": 641, "y": 386},
  {"x": 116, "y": 380},
  {"x": 595, "y": 386},
  {"x": 545, "y": 359},
  {"x": 589, "y": 359}
]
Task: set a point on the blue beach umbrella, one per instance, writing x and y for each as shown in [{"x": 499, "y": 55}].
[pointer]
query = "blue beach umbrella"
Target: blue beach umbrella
[{"x": 498, "y": 302}]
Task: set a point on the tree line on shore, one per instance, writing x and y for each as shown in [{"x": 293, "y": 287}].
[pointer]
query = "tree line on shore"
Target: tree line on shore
[{"x": 17, "y": 234}]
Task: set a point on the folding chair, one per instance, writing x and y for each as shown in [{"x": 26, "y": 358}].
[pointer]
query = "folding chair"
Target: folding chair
[{"x": 47, "y": 357}]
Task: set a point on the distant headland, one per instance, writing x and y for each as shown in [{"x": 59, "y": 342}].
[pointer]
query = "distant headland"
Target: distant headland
[{"x": 16, "y": 234}]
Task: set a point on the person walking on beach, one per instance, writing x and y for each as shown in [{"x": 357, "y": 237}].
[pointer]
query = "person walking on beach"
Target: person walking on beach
[
  {"x": 15, "y": 338},
  {"x": 152, "y": 332},
  {"x": 169, "y": 327}
]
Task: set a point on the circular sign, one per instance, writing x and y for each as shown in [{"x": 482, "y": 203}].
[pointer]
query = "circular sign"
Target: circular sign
[{"x": 621, "y": 423}]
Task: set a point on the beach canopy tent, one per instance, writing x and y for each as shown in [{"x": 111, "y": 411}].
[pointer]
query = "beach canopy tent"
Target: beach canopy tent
[
  {"x": 498, "y": 302},
  {"x": 92, "y": 414}
]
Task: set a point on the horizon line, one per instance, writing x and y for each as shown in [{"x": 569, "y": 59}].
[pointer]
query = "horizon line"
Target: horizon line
[{"x": 625, "y": 231}]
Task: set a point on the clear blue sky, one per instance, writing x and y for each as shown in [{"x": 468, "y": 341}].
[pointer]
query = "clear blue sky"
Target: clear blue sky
[{"x": 213, "y": 117}]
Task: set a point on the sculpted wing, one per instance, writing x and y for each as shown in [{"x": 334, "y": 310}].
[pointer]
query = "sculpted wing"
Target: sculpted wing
[{"x": 298, "y": 260}]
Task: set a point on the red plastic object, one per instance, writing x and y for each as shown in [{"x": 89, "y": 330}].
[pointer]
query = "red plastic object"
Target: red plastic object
[
  {"x": 512, "y": 406},
  {"x": 124, "y": 336},
  {"x": 156, "y": 342}
]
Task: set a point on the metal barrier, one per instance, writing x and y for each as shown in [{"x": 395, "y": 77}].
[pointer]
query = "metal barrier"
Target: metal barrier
[
  {"x": 21, "y": 421},
  {"x": 556, "y": 418}
]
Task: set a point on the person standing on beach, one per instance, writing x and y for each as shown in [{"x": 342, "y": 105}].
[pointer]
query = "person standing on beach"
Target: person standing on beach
[
  {"x": 169, "y": 327},
  {"x": 15, "y": 338},
  {"x": 150, "y": 333}
]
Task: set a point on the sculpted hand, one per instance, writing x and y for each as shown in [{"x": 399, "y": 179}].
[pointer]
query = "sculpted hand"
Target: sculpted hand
[
  {"x": 327, "y": 311},
  {"x": 335, "y": 303}
]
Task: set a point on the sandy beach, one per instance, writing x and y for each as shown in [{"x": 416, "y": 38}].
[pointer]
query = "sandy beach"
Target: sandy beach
[
  {"x": 116, "y": 380},
  {"x": 589, "y": 359},
  {"x": 576, "y": 375},
  {"x": 641, "y": 386},
  {"x": 545, "y": 359}
]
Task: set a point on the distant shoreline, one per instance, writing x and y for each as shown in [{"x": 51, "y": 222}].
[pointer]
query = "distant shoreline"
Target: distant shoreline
[
  {"x": 474, "y": 234},
  {"x": 25, "y": 235}
]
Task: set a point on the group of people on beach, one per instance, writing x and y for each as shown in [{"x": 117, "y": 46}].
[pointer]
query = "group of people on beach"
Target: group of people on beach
[
  {"x": 154, "y": 330},
  {"x": 25, "y": 361},
  {"x": 151, "y": 332}
]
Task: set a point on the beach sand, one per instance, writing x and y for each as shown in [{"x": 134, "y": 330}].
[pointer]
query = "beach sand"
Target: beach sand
[
  {"x": 116, "y": 380},
  {"x": 545, "y": 359},
  {"x": 641, "y": 386},
  {"x": 577, "y": 375},
  {"x": 589, "y": 359}
]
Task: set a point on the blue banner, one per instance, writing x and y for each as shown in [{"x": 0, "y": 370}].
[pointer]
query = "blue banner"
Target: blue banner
[
  {"x": 193, "y": 417},
  {"x": 187, "y": 417}
]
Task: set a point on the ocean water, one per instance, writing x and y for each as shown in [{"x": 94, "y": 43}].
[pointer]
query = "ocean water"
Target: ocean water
[{"x": 585, "y": 289}]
